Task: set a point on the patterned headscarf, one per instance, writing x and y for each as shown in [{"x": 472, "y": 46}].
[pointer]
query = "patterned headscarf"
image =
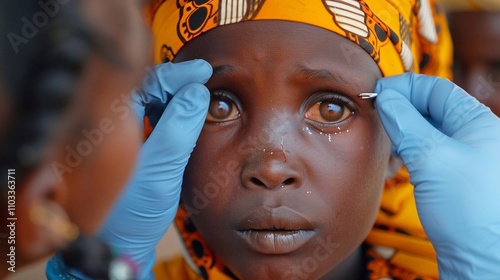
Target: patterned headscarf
[{"x": 399, "y": 35}]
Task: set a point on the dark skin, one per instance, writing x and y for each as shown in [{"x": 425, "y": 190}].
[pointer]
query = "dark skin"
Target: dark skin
[
  {"x": 477, "y": 56},
  {"x": 288, "y": 141}
]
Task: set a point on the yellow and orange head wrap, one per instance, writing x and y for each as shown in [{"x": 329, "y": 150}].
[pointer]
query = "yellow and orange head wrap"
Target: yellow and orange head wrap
[{"x": 400, "y": 35}]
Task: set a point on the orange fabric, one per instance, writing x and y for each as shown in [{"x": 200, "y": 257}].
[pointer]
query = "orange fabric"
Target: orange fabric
[
  {"x": 175, "y": 269},
  {"x": 208, "y": 264},
  {"x": 400, "y": 36},
  {"x": 398, "y": 231}
]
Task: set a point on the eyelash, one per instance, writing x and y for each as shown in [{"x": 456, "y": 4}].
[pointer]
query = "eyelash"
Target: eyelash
[
  {"x": 222, "y": 93},
  {"x": 334, "y": 97}
]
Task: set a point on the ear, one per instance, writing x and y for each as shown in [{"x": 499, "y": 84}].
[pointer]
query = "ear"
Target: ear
[
  {"x": 394, "y": 165},
  {"x": 43, "y": 225}
]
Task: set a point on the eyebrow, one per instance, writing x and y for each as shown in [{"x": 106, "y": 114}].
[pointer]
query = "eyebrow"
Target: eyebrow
[
  {"x": 307, "y": 73},
  {"x": 226, "y": 69},
  {"x": 316, "y": 74},
  {"x": 301, "y": 74}
]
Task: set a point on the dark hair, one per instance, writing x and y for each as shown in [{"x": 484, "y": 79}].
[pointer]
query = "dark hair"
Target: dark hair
[{"x": 40, "y": 78}]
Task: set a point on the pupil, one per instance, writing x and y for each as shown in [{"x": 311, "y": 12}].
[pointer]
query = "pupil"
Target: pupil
[
  {"x": 331, "y": 112},
  {"x": 220, "y": 109}
]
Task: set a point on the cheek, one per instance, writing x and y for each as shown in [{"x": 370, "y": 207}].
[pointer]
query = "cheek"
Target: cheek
[
  {"x": 212, "y": 175},
  {"x": 103, "y": 173},
  {"x": 350, "y": 177},
  {"x": 347, "y": 176}
]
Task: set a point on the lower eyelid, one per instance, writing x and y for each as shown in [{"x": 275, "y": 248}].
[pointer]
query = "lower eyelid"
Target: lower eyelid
[{"x": 332, "y": 128}]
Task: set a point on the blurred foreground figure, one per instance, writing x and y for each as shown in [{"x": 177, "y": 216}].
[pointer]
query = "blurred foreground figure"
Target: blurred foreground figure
[{"x": 68, "y": 138}]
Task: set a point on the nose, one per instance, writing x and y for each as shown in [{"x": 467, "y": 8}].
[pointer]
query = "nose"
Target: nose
[{"x": 271, "y": 170}]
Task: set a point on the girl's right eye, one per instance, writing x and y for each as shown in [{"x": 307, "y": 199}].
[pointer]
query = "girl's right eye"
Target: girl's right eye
[{"x": 222, "y": 109}]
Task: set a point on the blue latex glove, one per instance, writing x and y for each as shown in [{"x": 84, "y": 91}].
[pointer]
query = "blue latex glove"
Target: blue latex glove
[
  {"x": 148, "y": 206},
  {"x": 149, "y": 203},
  {"x": 454, "y": 164}
]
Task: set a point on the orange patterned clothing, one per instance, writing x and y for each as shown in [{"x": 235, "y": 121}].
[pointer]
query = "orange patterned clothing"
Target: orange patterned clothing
[
  {"x": 398, "y": 241},
  {"x": 178, "y": 269}
]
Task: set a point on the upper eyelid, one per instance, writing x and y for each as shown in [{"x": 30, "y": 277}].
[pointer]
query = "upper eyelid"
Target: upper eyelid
[
  {"x": 325, "y": 95},
  {"x": 228, "y": 95},
  {"x": 222, "y": 92}
]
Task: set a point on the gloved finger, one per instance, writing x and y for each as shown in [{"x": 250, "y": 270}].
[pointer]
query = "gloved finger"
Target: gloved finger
[
  {"x": 138, "y": 107},
  {"x": 412, "y": 136},
  {"x": 169, "y": 78},
  {"x": 163, "y": 81},
  {"x": 180, "y": 125},
  {"x": 450, "y": 108},
  {"x": 158, "y": 175}
]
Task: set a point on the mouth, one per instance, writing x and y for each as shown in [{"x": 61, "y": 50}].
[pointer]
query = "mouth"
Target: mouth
[{"x": 275, "y": 230}]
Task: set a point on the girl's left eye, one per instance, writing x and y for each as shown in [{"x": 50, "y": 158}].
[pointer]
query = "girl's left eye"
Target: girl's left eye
[{"x": 328, "y": 112}]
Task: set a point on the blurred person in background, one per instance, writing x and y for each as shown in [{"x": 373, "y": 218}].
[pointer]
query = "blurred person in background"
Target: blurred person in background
[{"x": 475, "y": 30}]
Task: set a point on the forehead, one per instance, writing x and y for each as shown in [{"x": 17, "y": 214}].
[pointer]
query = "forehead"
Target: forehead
[{"x": 281, "y": 43}]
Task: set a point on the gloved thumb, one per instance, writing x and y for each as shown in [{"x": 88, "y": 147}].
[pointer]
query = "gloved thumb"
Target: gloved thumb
[
  {"x": 412, "y": 136},
  {"x": 162, "y": 81}
]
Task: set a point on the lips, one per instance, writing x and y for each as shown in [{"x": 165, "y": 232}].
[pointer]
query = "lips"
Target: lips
[{"x": 279, "y": 230}]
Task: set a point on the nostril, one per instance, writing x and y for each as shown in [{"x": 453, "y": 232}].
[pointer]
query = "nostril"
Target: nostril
[
  {"x": 288, "y": 181},
  {"x": 257, "y": 182}
]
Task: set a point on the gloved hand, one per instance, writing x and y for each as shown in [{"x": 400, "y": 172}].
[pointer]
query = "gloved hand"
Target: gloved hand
[
  {"x": 149, "y": 203},
  {"x": 450, "y": 144}
]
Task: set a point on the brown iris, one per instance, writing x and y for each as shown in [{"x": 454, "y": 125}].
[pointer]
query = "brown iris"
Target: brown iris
[
  {"x": 328, "y": 112},
  {"x": 222, "y": 110}
]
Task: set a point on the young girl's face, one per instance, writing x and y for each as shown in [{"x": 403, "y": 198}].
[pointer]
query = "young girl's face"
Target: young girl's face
[{"x": 286, "y": 178}]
